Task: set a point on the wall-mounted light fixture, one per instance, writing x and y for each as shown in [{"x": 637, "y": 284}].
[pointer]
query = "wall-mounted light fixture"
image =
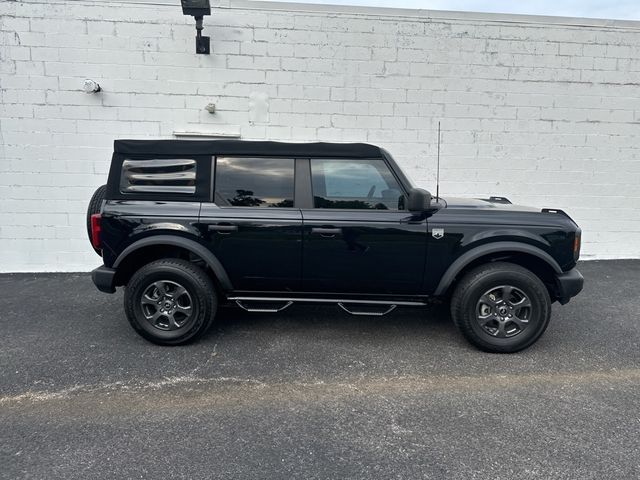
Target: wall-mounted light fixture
[
  {"x": 89, "y": 86},
  {"x": 198, "y": 8}
]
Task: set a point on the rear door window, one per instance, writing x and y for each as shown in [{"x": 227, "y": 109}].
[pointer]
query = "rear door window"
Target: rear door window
[{"x": 254, "y": 182}]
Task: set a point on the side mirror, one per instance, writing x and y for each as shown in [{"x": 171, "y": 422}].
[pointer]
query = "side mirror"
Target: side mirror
[{"x": 419, "y": 200}]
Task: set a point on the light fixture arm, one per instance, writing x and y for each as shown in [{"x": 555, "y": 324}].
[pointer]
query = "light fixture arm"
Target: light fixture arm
[
  {"x": 203, "y": 45},
  {"x": 198, "y": 9},
  {"x": 199, "y": 26}
]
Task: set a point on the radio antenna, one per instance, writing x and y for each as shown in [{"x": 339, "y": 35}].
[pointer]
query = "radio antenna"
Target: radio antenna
[{"x": 438, "y": 167}]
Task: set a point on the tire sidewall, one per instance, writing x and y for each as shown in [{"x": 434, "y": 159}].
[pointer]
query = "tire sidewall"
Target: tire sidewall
[
  {"x": 95, "y": 206},
  {"x": 139, "y": 285},
  {"x": 531, "y": 287}
]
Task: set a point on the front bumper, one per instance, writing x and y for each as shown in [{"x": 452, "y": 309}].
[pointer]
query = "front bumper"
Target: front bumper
[
  {"x": 569, "y": 285},
  {"x": 104, "y": 279}
]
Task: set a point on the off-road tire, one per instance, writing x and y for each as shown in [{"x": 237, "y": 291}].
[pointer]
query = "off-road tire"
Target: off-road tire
[
  {"x": 200, "y": 290},
  {"x": 470, "y": 289},
  {"x": 94, "y": 207}
]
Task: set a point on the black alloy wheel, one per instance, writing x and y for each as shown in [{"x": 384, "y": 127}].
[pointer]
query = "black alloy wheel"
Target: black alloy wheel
[
  {"x": 170, "y": 301},
  {"x": 501, "y": 307}
]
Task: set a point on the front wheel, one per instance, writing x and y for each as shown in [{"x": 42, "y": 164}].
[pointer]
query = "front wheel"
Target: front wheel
[
  {"x": 501, "y": 307},
  {"x": 170, "y": 302}
]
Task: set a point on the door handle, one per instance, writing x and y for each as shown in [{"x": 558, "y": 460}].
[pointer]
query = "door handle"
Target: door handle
[
  {"x": 326, "y": 231},
  {"x": 223, "y": 228}
]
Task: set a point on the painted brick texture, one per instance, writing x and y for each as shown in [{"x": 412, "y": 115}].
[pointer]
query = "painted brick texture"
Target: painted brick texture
[{"x": 547, "y": 114}]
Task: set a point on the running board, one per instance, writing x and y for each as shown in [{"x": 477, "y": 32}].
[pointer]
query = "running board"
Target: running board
[
  {"x": 343, "y": 303},
  {"x": 374, "y": 314},
  {"x": 286, "y": 304}
]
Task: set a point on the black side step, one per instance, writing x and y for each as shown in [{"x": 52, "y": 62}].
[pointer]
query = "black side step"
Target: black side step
[
  {"x": 256, "y": 309},
  {"x": 390, "y": 309},
  {"x": 345, "y": 304}
]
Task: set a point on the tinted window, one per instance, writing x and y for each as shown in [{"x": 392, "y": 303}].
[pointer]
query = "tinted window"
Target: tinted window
[
  {"x": 354, "y": 184},
  {"x": 175, "y": 175},
  {"x": 254, "y": 182}
]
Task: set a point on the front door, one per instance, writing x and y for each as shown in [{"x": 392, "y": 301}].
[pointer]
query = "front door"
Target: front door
[
  {"x": 252, "y": 226},
  {"x": 357, "y": 237}
]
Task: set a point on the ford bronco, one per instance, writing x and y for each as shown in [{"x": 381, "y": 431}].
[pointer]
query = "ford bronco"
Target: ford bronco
[{"x": 187, "y": 225}]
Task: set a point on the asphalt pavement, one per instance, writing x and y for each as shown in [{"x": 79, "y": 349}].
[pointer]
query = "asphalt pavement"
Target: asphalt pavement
[{"x": 312, "y": 392}]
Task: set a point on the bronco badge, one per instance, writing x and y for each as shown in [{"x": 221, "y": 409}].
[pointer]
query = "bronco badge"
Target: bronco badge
[{"x": 437, "y": 233}]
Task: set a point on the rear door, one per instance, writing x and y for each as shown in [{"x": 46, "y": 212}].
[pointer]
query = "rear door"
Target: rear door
[
  {"x": 358, "y": 238},
  {"x": 253, "y": 226}
]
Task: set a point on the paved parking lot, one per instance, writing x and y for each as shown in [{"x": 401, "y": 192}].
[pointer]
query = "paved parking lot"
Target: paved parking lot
[{"x": 315, "y": 393}]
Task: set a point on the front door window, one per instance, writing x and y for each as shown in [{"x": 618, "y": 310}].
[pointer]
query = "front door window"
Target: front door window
[{"x": 354, "y": 184}]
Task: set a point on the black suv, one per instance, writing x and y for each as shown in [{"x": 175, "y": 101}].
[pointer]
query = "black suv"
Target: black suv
[{"x": 187, "y": 225}]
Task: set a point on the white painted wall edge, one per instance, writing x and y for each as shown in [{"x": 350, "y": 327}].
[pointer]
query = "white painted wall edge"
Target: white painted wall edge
[{"x": 384, "y": 11}]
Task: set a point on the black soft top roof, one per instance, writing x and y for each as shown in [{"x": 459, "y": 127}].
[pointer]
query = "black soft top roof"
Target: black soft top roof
[{"x": 244, "y": 147}]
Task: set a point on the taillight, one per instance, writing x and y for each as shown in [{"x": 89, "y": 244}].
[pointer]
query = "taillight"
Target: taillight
[
  {"x": 576, "y": 246},
  {"x": 96, "y": 230}
]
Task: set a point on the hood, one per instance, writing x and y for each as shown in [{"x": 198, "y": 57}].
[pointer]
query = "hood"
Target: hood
[
  {"x": 494, "y": 207},
  {"x": 493, "y": 203}
]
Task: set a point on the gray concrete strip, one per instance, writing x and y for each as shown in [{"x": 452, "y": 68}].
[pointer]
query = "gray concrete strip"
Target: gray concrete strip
[{"x": 237, "y": 391}]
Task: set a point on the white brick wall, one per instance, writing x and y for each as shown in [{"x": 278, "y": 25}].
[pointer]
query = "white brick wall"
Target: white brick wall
[{"x": 544, "y": 111}]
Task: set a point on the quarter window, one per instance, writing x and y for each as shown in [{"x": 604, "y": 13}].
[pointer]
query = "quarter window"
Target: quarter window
[
  {"x": 355, "y": 184},
  {"x": 176, "y": 175},
  {"x": 254, "y": 182}
]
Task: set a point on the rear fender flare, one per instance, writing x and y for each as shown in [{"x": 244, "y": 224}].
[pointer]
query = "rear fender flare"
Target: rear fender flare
[
  {"x": 190, "y": 245},
  {"x": 466, "y": 258}
]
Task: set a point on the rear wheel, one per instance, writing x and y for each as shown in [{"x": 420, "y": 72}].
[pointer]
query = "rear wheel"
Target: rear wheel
[
  {"x": 95, "y": 204},
  {"x": 170, "y": 302},
  {"x": 501, "y": 307}
]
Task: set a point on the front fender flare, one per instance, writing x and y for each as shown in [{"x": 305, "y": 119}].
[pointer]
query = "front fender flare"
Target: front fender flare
[
  {"x": 463, "y": 260},
  {"x": 186, "y": 243}
]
